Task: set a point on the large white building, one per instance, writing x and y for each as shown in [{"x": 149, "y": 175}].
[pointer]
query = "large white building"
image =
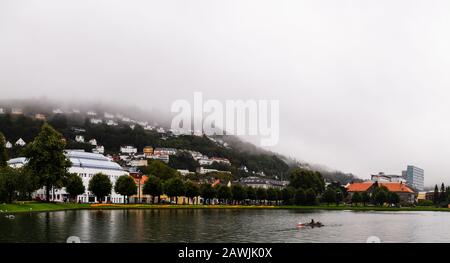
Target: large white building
[{"x": 85, "y": 165}]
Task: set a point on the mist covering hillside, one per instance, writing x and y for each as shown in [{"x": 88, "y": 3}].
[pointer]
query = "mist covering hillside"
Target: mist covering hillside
[{"x": 74, "y": 118}]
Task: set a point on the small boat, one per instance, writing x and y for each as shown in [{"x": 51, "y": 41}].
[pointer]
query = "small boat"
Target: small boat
[
  {"x": 10, "y": 216},
  {"x": 311, "y": 224}
]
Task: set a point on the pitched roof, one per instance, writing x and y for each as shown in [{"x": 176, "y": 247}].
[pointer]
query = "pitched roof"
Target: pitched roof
[{"x": 392, "y": 187}]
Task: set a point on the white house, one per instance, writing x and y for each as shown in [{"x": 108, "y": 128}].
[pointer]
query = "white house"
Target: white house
[
  {"x": 96, "y": 121},
  {"x": 132, "y": 126},
  {"x": 220, "y": 160},
  {"x": 160, "y": 130},
  {"x": 86, "y": 165},
  {"x": 165, "y": 151},
  {"x": 58, "y": 111},
  {"x": 205, "y": 161},
  {"x": 111, "y": 123},
  {"x": 2, "y": 111},
  {"x": 16, "y": 111},
  {"x": 93, "y": 142},
  {"x": 128, "y": 149},
  {"x": 20, "y": 142},
  {"x": 8, "y": 145},
  {"x": 91, "y": 113},
  {"x": 99, "y": 149},
  {"x": 17, "y": 162},
  {"x": 109, "y": 115},
  {"x": 79, "y": 138}
]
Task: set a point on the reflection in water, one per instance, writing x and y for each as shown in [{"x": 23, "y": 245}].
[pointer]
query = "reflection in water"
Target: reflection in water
[{"x": 224, "y": 225}]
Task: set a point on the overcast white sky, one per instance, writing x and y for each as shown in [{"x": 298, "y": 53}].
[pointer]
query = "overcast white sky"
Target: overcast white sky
[{"x": 363, "y": 85}]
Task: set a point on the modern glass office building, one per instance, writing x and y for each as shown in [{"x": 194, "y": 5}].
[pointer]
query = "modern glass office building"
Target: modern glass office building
[{"x": 414, "y": 177}]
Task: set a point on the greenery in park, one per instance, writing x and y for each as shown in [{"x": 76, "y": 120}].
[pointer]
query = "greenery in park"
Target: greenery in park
[
  {"x": 224, "y": 193},
  {"x": 3, "y": 151},
  {"x": 174, "y": 187},
  {"x": 307, "y": 179},
  {"x": 159, "y": 169},
  {"x": 310, "y": 197},
  {"x": 74, "y": 186},
  {"x": 365, "y": 198},
  {"x": 380, "y": 195},
  {"x": 287, "y": 195},
  {"x": 46, "y": 159},
  {"x": 126, "y": 186},
  {"x": 261, "y": 195},
  {"x": 356, "y": 198},
  {"x": 183, "y": 160},
  {"x": 154, "y": 187},
  {"x": 329, "y": 196},
  {"x": 192, "y": 190},
  {"x": 272, "y": 195},
  {"x": 299, "y": 197},
  {"x": 250, "y": 192},
  {"x": 239, "y": 193},
  {"x": 100, "y": 186},
  {"x": 208, "y": 193}
]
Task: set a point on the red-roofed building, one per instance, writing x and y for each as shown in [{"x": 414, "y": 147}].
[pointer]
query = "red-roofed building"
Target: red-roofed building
[{"x": 405, "y": 193}]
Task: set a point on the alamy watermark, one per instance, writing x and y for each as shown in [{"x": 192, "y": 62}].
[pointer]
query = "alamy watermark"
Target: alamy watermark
[{"x": 234, "y": 117}]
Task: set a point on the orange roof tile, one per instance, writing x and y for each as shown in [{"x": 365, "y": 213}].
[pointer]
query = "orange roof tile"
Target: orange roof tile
[{"x": 392, "y": 187}]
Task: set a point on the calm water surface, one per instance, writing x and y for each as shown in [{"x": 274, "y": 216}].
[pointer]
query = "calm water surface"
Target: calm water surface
[{"x": 224, "y": 225}]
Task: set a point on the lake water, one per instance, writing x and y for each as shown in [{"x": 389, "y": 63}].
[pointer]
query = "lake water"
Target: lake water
[{"x": 224, "y": 225}]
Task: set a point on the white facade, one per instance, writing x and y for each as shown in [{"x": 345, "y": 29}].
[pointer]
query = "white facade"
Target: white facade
[
  {"x": 99, "y": 149},
  {"x": 96, "y": 121},
  {"x": 111, "y": 123},
  {"x": 20, "y": 142},
  {"x": 58, "y": 111},
  {"x": 8, "y": 145},
  {"x": 205, "y": 161},
  {"x": 93, "y": 142},
  {"x": 2, "y": 111},
  {"x": 86, "y": 165},
  {"x": 91, "y": 113},
  {"x": 79, "y": 138},
  {"x": 17, "y": 111},
  {"x": 128, "y": 149},
  {"x": 109, "y": 115},
  {"x": 17, "y": 162}
]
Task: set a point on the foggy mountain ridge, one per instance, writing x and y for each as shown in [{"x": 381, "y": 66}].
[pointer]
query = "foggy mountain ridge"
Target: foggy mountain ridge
[{"x": 45, "y": 106}]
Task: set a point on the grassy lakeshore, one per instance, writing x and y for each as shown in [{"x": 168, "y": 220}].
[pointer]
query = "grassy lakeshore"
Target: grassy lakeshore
[{"x": 21, "y": 207}]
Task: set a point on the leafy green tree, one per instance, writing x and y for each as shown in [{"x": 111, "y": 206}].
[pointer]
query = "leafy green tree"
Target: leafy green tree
[
  {"x": 208, "y": 193},
  {"x": 8, "y": 184},
  {"x": 74, "y": 186},
  {"x": 310, "y": 196},
  {"x": 3, "y": 151},
  {"x": 379, "y": 197},
  {"x": 329, "y": 196},
  {"x": 183, "y": 160},
  {"x": 160, "y": 169},
  {"x": 261, "y": 194},
  {"x": 174, "y": 188},
  {"x": 442, "y": 195},
  {"x": 356, "y": 198},
  {"x": 300, "y": 197},
  {"x": 339, "y": 197},
  {"x": 154, "y": 187},
  {"x": 279, "y": 196},
  {"x": 393, "y": 198},
  {"x": 365, "y": 198},
  {"x": 272, "y": 195},
  {"x": 126, "y": 186},
  {"x": 302, "y": 178},
  {"x": 224, "y": 193},
  {"x": 238, "y": 192},
  {"x": 251, "y": 193},
  {"x": 27, "y": 183},
  {"x": 192, "y": 190},
  {"x": 286, "y": 195},
  {"x": 436, "y": 195},
  {"x": 100, "y": 186},
  {"x": 46, "y": 159}
]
